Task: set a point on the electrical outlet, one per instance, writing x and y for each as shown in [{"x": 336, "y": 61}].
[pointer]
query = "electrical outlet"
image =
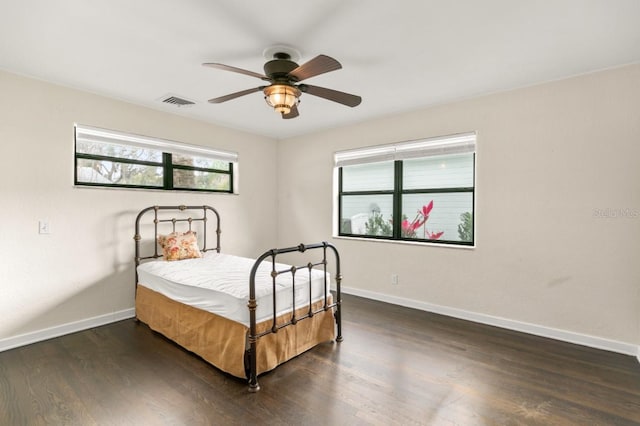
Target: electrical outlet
[
  {"x": 43, "y": 227},
  {"x": 394, "y": 279}
]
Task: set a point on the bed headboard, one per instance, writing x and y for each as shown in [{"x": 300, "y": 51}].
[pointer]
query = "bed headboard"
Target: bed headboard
[{"x": 166, "y": 219}]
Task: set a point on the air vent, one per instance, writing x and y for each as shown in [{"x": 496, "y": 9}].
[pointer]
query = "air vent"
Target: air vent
[{"x": 177, "y": 101}]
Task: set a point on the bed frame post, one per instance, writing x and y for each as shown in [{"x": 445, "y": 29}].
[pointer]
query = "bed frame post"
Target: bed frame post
[
  {"x": 137, "y": 239},
  {"x": 253, "y": 333},
  {"x": 253, "y": 346},
  {"x": 338, "y": 302}
]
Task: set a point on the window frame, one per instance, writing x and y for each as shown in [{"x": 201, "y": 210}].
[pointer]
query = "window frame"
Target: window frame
[
  {"x": 168, "y": 149},
  {"x": 386, "y": 153}
]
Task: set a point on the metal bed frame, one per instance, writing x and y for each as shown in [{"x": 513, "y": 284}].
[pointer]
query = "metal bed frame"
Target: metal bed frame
[{"x": 252, "y": 336}]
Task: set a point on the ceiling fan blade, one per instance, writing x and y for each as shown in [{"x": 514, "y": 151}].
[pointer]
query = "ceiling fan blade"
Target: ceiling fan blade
[
  {"x": 235, "y": 95},
  {"x": 332, "y": 95},
  {"x": 293, "y": 113},
  {"x": 316, "y": 66},
  {"x": 235, "y": 69}
]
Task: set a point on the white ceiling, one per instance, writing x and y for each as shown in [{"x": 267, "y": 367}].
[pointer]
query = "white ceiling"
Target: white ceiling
[{"x": 398, "y": 56}]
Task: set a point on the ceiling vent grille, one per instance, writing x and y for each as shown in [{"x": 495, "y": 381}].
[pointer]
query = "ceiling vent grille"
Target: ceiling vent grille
[{"x": 177, "y": 101}]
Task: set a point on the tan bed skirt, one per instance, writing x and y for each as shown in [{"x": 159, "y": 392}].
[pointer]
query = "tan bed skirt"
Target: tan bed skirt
[{"x": 222, "y": 342}]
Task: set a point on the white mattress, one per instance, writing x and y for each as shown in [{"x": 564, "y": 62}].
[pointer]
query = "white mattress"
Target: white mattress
[{"x": 219, "y": 283}]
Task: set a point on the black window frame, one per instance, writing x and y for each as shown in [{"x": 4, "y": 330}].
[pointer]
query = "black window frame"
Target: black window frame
[
  {"x": 397, "y": 193},
  {"x": 171, "y": 167},
  {"x": 166, "y": 164}
]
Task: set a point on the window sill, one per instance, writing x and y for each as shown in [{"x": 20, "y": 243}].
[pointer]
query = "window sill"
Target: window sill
[
  {"x": 403, "y": 242},
  {"x": 124, "y": 188}
]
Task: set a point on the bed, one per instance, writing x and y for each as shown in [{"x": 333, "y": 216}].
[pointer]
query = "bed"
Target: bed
[{"x": 244, "y": 316}]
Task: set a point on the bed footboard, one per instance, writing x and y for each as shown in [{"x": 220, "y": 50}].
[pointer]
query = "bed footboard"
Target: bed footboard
[{"x": 329, "y": 303}]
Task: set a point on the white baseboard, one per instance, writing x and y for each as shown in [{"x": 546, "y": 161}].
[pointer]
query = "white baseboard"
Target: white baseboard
[
  {"x": 60, "y": 330},
  {"x": 538, "y": 330}
]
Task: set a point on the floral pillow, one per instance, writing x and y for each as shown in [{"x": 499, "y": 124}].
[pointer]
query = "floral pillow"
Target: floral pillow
[{"x": 177, "y": 246}]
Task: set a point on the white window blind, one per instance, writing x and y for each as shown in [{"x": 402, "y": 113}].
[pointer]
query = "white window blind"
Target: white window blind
[
  {"x": 442, "y": 145},
  {"x": 102, "y": 136}
]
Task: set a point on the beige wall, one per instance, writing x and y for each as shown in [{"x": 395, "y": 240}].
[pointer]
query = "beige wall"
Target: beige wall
[
  {"x": 84, "y": 268},
  {"x": 548, "y": 158}
]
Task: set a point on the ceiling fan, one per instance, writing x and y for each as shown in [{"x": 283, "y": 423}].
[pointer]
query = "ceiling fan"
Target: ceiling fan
[{"x": 284, "y": 89}]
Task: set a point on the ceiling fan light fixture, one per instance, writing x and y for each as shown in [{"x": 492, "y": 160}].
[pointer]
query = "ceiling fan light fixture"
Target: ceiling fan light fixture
[{"x": 281, "y": 97}]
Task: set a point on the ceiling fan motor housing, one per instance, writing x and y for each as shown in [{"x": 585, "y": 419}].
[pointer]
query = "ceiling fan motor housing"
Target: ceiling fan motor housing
[{"x": 280, "y": 67}]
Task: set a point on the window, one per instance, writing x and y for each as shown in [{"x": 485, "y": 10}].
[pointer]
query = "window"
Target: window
[
  {"x": 428, "y": 184},
  {"x": 114, "y": 159}
]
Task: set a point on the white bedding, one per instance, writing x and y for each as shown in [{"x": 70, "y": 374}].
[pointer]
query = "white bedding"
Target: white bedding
[{"x": 219, "y": 283}]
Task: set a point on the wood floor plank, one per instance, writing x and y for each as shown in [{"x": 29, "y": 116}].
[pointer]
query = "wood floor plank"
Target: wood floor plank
[{"x": 395, "y": 366}]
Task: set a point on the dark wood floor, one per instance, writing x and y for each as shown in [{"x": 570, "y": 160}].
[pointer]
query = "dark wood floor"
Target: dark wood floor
[{"x": 395, "y": 366}]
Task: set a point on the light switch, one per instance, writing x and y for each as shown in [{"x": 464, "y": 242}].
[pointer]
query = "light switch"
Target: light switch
[{"x": 43, "y": 227}]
